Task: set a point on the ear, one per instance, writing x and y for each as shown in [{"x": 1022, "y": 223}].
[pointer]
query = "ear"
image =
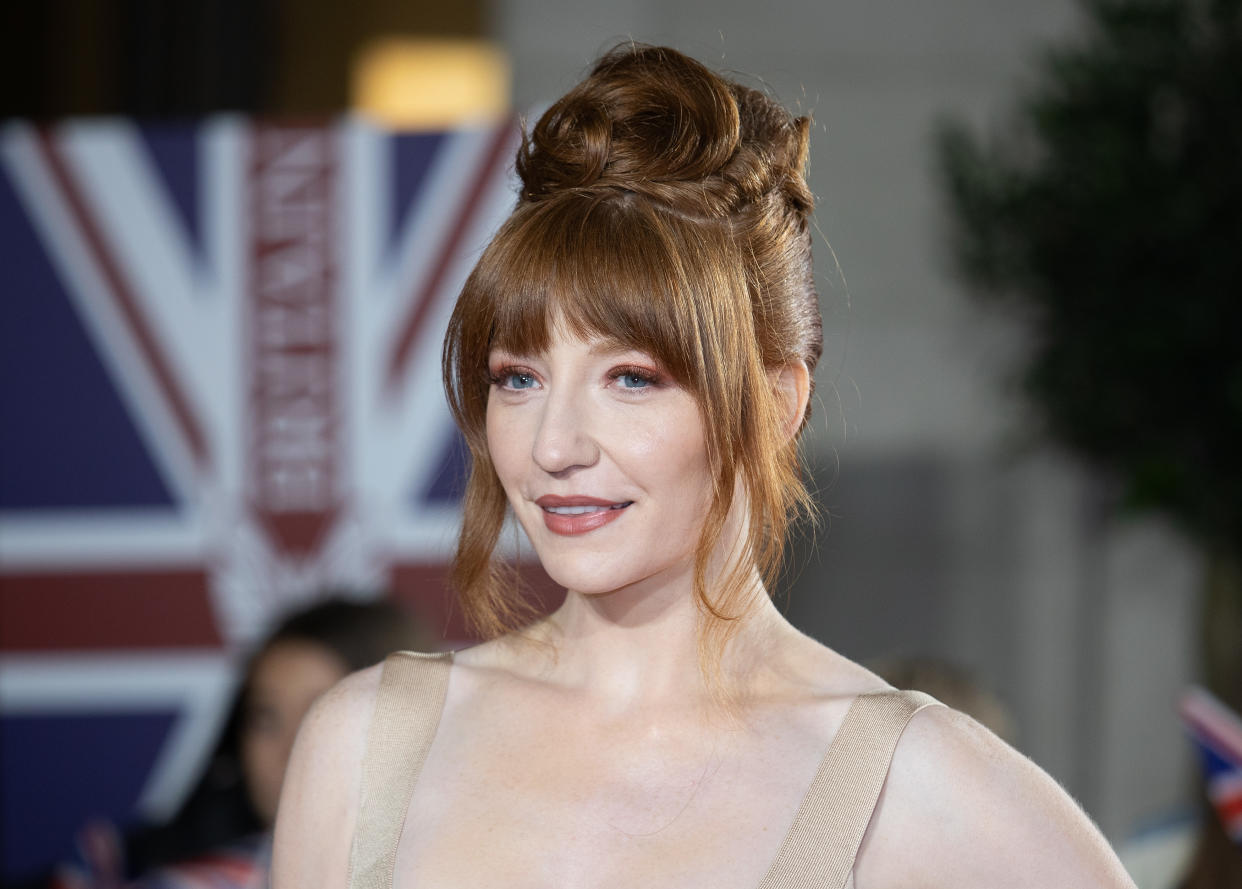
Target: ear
[{"x": 793, "y": 386}]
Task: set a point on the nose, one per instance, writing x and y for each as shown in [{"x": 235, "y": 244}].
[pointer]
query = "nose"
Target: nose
[{"x": 563, "y": 441}]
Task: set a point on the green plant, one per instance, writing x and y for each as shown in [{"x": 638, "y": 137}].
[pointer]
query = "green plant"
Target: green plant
[{"x": 1109, "y": 215}]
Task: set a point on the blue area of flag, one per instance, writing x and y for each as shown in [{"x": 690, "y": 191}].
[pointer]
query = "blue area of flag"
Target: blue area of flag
[
  {"x": 59, "y": 771},
  {"x": 67, "y": 439},
  {"x": 174, "y": 150},
  {"x": 410, "y": 155},
  {"x": 1213, "y": 761}
]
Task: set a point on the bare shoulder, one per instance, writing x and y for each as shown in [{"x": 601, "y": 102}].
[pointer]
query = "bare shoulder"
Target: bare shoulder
[
  {"x": 339, "y": 719},
  {"x": 963, "y": 809},
  {"x": 319, "y": 799}
]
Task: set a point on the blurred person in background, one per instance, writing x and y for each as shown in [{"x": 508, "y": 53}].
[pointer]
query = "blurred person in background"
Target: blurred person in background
[
  {"x": 221, "y": 836},
  {"x": 951, "y": 685}
]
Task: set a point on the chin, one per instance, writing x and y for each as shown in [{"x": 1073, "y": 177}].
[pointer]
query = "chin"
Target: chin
[
  {"x": 579, "y": 579},
  {"x": 595, "y": 575},
  {"x": 586, "y": 575}
]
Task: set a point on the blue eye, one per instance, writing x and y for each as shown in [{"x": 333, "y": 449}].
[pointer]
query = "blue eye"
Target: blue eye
[
  {"x": 634, "y": 381},
  {"x": 518, "y": 380}
]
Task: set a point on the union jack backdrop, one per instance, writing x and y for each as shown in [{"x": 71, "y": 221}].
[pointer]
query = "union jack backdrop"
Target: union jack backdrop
[{"x": 221, "y": 396}]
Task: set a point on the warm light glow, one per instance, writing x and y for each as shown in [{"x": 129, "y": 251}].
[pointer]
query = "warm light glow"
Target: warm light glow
[{"x": 430, "y": 83}]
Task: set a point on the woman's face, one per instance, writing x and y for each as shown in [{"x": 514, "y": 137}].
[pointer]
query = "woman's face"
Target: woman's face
[
  {"x": 284, "y": 682},
  {"x": 603, "y": 459}
]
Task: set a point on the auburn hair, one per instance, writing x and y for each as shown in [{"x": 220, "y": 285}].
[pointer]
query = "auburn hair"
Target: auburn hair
[{"x": 664, "y": 208}]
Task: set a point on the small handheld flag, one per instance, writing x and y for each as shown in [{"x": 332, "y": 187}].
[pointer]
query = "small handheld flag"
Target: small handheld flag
[{"x": 1217, "y": 732}]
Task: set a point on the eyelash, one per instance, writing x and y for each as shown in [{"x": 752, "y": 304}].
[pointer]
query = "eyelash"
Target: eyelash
[
  {"x": 639, "y": 373},
  {"x": 650, "y": 378},
  {"x": 501, "y": 376}
]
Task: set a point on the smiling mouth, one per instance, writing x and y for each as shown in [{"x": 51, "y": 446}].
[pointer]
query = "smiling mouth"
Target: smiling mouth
[
  {"x": 584, "y": 510},
  {"x": 571, "y": 516}
]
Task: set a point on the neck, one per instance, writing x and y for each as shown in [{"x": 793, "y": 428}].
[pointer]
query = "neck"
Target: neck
[{"x": 641, "y": 644}]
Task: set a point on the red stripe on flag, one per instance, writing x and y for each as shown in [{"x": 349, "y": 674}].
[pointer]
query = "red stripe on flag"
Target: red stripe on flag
[
  {"x": 123, "y": 608},
  {"x": 121, "y": 294},
  {"x": 1230, "y": 808},
  {"x": 452, "y": 244}
]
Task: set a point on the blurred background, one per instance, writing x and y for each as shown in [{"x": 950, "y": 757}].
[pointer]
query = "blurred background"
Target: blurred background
[{"x": 232, "y": 232}]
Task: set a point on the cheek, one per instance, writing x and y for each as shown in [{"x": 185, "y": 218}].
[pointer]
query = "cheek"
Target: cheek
[
  {"x": 260, "y": 749},
  {"x": 669, "y": 454},
  {"x": 263, "y": 764},
  {"x": 675, "y": 441},
  {"x": 259, "y": 763},
  {"x": 504, "y": 443},
  {"x": 503, "y": 422}
]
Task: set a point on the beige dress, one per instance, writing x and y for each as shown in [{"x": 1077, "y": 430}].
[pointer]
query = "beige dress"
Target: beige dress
[{"x": 817, "y": 853}]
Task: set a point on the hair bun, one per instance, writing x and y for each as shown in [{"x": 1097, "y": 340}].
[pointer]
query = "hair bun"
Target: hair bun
[{"x": 654, "y": 121}]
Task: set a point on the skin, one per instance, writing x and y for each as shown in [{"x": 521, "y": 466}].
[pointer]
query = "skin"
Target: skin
[
  {"x": 590, "y": 753},
  {"x": 285, "y": 681}
]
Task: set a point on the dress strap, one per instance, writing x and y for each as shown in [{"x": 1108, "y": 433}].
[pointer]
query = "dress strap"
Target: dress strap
[
  {"x": 819, "y": 850},
  {"x": 407, "y": 713}
]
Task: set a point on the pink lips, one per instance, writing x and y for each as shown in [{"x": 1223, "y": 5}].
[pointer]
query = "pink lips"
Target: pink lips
[{"x": 578, "y": 515}]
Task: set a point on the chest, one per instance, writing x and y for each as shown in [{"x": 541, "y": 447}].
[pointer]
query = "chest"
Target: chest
[{"x": 528, "y": 801}]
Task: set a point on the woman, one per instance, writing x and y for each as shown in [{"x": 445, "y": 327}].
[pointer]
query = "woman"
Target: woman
[{"x": 630, "y": 363}]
